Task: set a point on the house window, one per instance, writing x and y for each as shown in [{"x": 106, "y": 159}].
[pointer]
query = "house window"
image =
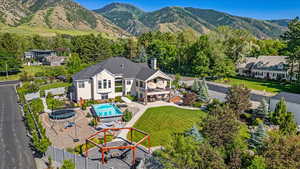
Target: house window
[
  {"x": 136, "y": 83},
  {"x": 81, "y": 84},
  {"x": 104, "y": 83},
  {"x": 128, "y": 93},
  {"x": 128, "y": 82},
  {"x": 100, "y": 84},
  {"x": 141, "y": 84},
  {"x": 104, "y": 96},
  {"x": 109, "y": 83}
]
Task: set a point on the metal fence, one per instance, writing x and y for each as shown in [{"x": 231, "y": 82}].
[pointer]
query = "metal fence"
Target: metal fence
[{"x": 59, "y": 155}]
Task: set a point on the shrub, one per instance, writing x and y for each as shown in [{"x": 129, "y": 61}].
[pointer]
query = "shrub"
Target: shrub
[
  {"x": 197, "y": 104},
  {"x": 118, "y": 99},
  {"x": 189, "y": 99},
  {"x": 132, "y": 98},
  {"x": 37, "y": 105},
  {"x": 127, "y": 116},
  {"x": 68, "y": 164}
]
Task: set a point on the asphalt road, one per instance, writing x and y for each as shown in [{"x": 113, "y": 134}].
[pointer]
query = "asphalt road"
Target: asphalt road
[{"x": 14, "y": 144}]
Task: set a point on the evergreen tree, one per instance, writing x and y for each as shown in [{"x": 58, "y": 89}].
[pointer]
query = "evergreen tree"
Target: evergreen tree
[
  {"x": 288, "y": 125},
  {"x": 195, "y": 87},
  {"x": 257, "y": 137},
  {"x": 263, "y": 109},
  {"x": 203, "y": 91},
  {"x": 280, "y": 109},
  {"x": 195, "y": 133},
  {"x": 258, "y": 163}
]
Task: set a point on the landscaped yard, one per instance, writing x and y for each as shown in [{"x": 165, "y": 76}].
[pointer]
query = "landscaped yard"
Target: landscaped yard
[
  {"x": 54, "y": 85},
  {"x": 162, "y": 122},
  {"x": 263, "y": 85}
]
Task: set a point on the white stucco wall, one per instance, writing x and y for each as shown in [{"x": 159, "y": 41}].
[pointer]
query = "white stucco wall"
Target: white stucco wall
[
  {"x": 292, "y": 107},
  {"x": 129, "y": 88},
  {"x": 84, "y": 93},
  {"x": 110, "y": 91}
]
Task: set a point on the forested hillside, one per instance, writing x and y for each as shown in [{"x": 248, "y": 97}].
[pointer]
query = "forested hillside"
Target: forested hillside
[{"x": 176, "y": 19}]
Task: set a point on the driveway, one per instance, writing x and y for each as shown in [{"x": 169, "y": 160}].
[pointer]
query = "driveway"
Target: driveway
[{"x": 14, "y": 145}]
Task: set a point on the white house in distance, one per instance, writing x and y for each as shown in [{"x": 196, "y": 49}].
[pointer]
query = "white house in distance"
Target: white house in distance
[
  {"x": 118, "y": 76},
  {"x": 265, "y": 67},
  {"x": 292, "y": 101}
]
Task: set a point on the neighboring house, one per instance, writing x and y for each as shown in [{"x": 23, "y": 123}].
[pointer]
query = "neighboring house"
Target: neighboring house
[
  {"x": 265, "y": 67},
  {"x": 292, "y": 101},
  {"x": 54, "y": 60},
  {"x": 44, "y": 57},
  {"x": 119, "y": 76},
  {"x": 39, "y": 55}
]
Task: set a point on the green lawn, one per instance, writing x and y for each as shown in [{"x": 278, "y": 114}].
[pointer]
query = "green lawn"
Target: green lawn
[
  {"x": 31, "y": 70},
  {"x": 263, "y": 85},
  {"x": 162, "y": 122},
  {"x": 54, "y": 85}
]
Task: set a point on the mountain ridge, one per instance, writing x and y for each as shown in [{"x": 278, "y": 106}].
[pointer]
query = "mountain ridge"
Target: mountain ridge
[
  {"x": 174, "y": 18},
  {"x": 55, "y": 14}
]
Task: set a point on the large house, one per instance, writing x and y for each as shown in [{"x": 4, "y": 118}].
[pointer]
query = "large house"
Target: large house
[
  {"x": 265, "y": 67},
  {"x": 119, "y": 76}
]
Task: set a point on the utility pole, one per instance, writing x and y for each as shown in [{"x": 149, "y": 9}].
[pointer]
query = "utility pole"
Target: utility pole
[{"x": 6, "y": 70}]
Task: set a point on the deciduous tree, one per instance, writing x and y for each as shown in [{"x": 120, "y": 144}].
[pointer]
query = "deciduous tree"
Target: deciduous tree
[{"x": 238, "y": 99}]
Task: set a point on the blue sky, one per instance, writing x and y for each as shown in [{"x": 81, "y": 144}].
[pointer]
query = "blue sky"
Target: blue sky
[{"x": 261, "y": 9}]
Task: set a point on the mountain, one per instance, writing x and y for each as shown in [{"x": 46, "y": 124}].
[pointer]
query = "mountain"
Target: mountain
[
  {"x": 55, "y": 14},
  {"x": 281, "y": 22},
  {"x": 173, "y": 19}
]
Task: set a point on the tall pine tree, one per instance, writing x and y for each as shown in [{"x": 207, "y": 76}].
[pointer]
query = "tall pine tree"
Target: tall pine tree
[
  {"x": 203, "y": 91},
  {"x": 263, "y": 109},
  {"x": 280, "y": 109}
]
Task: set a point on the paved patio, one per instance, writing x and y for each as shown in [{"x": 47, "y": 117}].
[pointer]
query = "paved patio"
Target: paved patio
[{"x": 62, "y": 137}]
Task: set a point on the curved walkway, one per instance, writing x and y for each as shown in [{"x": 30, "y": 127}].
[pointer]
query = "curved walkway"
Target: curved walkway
[{"x": 142, "y": 109}]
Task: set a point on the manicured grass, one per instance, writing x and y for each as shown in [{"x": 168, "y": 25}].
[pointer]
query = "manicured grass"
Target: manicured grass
[
  {"x": 262, "y": 85},
  {"x": 162, "y": 122},
  {"x": 54, "y": 85},
  {"x": 31, "y": 70}
]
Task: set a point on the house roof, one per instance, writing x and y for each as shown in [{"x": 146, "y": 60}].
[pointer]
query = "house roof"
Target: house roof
[
  {"x": 117, "y": 66},
  {"x": 289, "y": 97},
  {"x": 264, "y": 62}
]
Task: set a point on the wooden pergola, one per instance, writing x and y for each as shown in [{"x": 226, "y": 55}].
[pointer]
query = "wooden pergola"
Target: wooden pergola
[{"x": 104, "y": 148}]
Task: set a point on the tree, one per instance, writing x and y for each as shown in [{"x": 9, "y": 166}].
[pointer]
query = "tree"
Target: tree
[
  {"x": 292, "y": 39},
  {"x": 287, "y": 125},
  {"x": 280, "y": 109},
  {"x": 74, "y": 63},
  {"x": 195, "y": 87},
  {"x": 185, "y": 153},
  {"x": 127, "y": 116},
  {"x": 257, "y": 137},
  {"x": 68, "y": 164},
  {"x": 238, "y": 99},
  {"x": 194, "y": 132},
  {"x": 9, "y": 63},
  {"x": 176, "y": 81},
  {"x": 263, "y": 109},
  {"x": 258, "y": 163},
  {"x": 221, "y": 127},
  {"x": 203, "y": 92},
  {"x": 281, "y": 151}
]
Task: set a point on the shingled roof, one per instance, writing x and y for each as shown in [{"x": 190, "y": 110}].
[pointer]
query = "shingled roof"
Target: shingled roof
[
  {"x": 263, "y": 62},
  {"x": 117, "y": 66}
]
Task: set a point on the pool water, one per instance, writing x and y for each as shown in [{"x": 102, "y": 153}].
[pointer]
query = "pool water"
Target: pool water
[{"x": 107, "y": 110}]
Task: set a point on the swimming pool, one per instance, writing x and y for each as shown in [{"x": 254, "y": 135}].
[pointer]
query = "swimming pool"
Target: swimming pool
[{"x": 106, "y": 110}]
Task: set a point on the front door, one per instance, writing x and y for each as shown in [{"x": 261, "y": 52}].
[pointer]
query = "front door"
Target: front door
[{"x": 104, "y": 96}]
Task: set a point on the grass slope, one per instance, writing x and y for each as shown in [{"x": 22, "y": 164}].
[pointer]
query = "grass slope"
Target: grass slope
[
  {"x": 262, "y": 85},
  {"x": 162, "y": 122},
  {"x": 31, "y": 70}
]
